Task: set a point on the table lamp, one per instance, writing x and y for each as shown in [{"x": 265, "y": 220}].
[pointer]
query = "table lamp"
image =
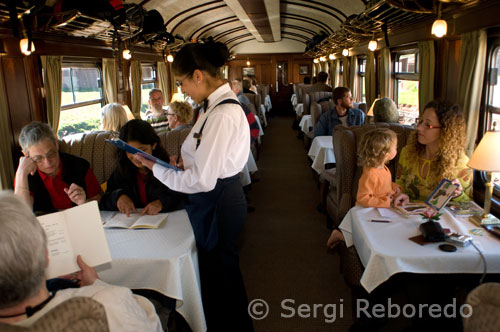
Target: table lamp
[
  {"x": 486, "y": 158},
  {"x": 370, "y": 111}
]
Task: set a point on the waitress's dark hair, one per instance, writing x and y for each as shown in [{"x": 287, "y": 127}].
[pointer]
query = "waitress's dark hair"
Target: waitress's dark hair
[
  {"x": 139, "y": 131},
  {"x": 208, "y": 56}
]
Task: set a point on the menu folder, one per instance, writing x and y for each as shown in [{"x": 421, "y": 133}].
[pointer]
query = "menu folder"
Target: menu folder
[{"x": 124, "y": 146}]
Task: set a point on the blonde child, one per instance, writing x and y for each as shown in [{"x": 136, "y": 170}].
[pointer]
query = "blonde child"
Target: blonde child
[{"x": 376, "y": 148}]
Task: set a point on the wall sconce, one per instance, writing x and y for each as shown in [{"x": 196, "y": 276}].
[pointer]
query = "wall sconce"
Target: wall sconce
[
  {"x": 23, "y": 45},
  {"x": 127, "y": 54},
  {"x": 2, "y": 48},
  {"x": 248, "y": 62},
  {"x": 316, "y": 60},
  {"x": 331, "y": 56},
  {"x": 170, "y": 58},
  {"x": 372, "y": 45},
  {"x": 345, "y": 52},
  {"x": 439, "y": 26},
  {"x": 322, "y": 58}
]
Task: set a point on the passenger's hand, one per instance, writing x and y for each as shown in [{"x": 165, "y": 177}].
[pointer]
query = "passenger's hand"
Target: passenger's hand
[
  {"x": 152, "y": 208},
  {"x": 401, "y": 199},
  {"x": 76, "y": 194},
  {"x": 459, "y": 190},
  {"x": 145, "y": 162},
  {"x": 26, "y": 166},
  {"x": 125, "y": 205},
  {"x": 180, "y": 163}
]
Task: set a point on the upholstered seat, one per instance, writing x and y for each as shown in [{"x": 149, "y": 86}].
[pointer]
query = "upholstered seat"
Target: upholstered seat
[
  {"x": 485, "y": 303},
  {"x": 77, "y": 314},
  {"x": 172, "y": 140},
  {"x": 319, "y": 108}
]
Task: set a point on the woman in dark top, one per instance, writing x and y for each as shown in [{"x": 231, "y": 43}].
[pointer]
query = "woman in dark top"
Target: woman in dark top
[{"x": 132, "y": 185}]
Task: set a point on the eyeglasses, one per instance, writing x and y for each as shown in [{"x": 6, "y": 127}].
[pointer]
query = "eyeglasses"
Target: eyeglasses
[
  {"x": 179, "y": 82},
  {"x": 39, "y": 158},
  {"x": 426, "y": 125}
]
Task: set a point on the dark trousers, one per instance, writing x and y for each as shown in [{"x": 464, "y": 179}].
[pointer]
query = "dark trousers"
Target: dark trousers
[{"x": 224, "y": 296}]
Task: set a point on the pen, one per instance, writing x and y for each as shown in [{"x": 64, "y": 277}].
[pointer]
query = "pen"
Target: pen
[{"x": 379, "y": 220}]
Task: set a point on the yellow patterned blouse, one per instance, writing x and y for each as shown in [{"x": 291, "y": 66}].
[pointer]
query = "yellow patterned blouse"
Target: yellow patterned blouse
[{"x": 418, "y": 188}]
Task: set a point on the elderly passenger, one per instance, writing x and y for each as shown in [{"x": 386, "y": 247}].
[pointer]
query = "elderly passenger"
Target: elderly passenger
[
  {"x": 24, "y": 297},
  {"x": 113, "y": 117},
  {"x": 385, "y": 110},
  {"x": 179, "y": 115},
  {"x": 436, "y": 151},
  {"x": 49, "y": 180}
]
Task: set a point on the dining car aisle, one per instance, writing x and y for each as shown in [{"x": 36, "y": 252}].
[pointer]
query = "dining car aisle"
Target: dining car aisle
[{"x": 283, "y": 247}]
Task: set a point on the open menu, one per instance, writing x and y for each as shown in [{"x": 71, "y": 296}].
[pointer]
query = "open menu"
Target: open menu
[
  {"x": 72, "y": 232},
  {"x": 130, "y": 149},
  {"x": 113, "y": 219}
]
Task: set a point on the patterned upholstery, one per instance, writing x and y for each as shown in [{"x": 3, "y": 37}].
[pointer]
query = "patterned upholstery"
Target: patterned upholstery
[
  {"x": 172, "y": 140},
  {"x": 485, "y": 302},
  {"x": 342, "y": 193},
  {"x": 318, "y": 109},
  {"x": 78, "y": 314}
]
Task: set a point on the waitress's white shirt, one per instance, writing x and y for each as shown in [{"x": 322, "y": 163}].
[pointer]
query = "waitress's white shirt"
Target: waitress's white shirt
[{"x": 223, "y": 149}]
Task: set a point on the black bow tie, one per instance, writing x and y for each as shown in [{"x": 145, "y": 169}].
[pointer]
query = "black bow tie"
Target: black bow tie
[{"x": 205, "y": 105}]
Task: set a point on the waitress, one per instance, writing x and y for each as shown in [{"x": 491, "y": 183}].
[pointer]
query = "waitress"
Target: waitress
[{"x": 213, "y": 154}]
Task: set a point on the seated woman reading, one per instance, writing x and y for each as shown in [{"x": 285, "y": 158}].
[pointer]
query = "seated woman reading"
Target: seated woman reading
[
  {"x": 434, "y": 152},
  {"x": 132, "y": 185},
  {"x": 49, "y": 180}
]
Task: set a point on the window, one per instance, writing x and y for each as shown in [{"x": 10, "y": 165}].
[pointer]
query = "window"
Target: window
[
  {"x": 148, "y": 82},
  {"x": 406, "y": 85},
  {"x": 361, "y": 80},
  {"x": 493, "y": 99},
  {"x": 81, "y": 98}
]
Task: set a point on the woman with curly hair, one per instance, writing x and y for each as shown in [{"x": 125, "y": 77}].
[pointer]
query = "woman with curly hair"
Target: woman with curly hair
[{"x": 434, "y": 152}]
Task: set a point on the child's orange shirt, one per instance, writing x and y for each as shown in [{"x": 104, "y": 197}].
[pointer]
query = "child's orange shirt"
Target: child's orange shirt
[{"x": 375, "y": 187}]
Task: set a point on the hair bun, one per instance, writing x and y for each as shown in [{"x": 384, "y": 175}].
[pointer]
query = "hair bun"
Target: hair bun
[{"x": 216, "y": 52}]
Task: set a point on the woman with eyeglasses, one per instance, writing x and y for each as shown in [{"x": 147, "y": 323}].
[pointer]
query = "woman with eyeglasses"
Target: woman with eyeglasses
[
  {"x": 213, "y": 154},
  {"x": 434, "y": 152},
  {"x": 49, "y": 180}
]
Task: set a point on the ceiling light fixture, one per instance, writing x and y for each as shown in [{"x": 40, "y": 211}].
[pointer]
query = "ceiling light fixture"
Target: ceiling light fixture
[
  {"x": 24, "y": 46},
  {"x": 331, "y": 56},
  {"x": 439, "y": 26},
  {"x": 322, "y": 58},
  {"x": 316, "y": 60},
  {"x": 248, "y": 62},
  {"x": 170, "y": 58},
  {"x": 372, "y": 45},
  {"x": 345, "y": 52},
  {"x": 126, "y": 54}
]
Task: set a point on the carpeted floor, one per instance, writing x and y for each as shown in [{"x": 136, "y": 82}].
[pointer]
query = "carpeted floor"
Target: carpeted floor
[{"x": 284, "y": 260}]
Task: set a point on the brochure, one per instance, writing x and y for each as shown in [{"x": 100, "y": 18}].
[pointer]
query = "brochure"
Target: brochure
[
  {"x": 468, "y": 208},
  {"x": 134, "y": 221}
]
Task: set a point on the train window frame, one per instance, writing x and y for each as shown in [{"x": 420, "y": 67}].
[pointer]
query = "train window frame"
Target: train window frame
[
  {"x": 398, "y": 76},
  {"x": 491, "y": 109},
  {"x": 144, "y": 82},
  {"x": 341, "y": 72},
  {"x": 361, "y": 78},
  {"x": 89, "y": 111}
]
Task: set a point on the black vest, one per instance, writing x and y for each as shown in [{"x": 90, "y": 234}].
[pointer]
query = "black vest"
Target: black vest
[{"x": 74, "y": 171}]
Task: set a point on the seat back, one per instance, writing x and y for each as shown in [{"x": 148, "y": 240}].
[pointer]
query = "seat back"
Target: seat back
[
  {"x": 172, "y": 140},
  {"x": 254, "y": 99},
  {"x": 318, "y": 109},
  {"x": 361, "y": 106},
  {"x": 485, "y": 303},
  {"x": 319, "y": 95},
  {"x": 345, "y": 140},
  {"x": 73, "y": 315}
]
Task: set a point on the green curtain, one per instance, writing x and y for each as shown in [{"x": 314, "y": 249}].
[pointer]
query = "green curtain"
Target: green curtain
[
  {"x": 136, "y": 74},
  {"x": 470, "y": 81},
  {"x": 385, "y": 73},
  {"x": 163, "y": 81},
  {"x": 6, "y": 162},
  {"x": 333, "y": 76},
  {"x": 109, "y": 85},
  {"x": 426, "y": 70},
  {"x": 370, "y": 79},
  {"x": 353, "y": 77},
  {"x": 345, "y": 72},
  {"x": 53, "y": 88}
]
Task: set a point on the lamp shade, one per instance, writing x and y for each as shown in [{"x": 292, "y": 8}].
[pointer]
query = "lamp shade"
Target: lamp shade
[
  {"x": 170, "y": 58},
  {"x": 370, "y": 111},
  {"x": 23, "y": 44},
  {"x": 345, "y": 52},
  {"x": 439, "y": 28},
  {"x": 127, "y": 55},
  {"x": 486, "y": 157},
  {"x": 372, "y": 45}
]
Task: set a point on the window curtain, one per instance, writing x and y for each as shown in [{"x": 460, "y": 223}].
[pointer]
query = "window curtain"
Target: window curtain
[
  {"x": 135, "y": 70},
  {"x": 163, "y": 81},
  {"x": 332, "y": 73},
  {"x": 6, "y": 162},
  {"x": 470, "y": 81},
  {"x": 172, "y": 87},
  {"x": 353, "y": 77},
  {"x": 370, "y": 79},
  {"x": 385, "y": 73},
  {"x": 345, "y": 73},
  {"x": 426, "y": 69},
  {"x": 53, "y": 88},
  {"x": 322, "y": 66},
  {"x": 109, "y": 87}
]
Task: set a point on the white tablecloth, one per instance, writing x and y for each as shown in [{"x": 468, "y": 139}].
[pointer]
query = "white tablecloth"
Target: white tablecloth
[
  {"x": 321, "y": 152},
  {"x": 250, "y": 168},
  {"x": 305, "y": 124},
  {"x": 263, "y": 114},
  {"x": 384, "y": 248},
  {"x": 261, "y": 131},
  {"x": 293, "y": 99},
  {"x": 267, "y": 103},
  {"x": 299, "y": 109},
  {"x": 163, "y": 259}
]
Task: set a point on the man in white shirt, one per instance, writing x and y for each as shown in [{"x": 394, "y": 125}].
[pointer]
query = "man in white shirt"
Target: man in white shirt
[
  {"x": 24, "y": 297},
  {"x": 156, "y": 115}
]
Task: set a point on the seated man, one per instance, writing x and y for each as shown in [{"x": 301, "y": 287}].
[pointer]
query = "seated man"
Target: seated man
[
  {"x": 156, "y": 115},
  {"x": 236, "y": 86},
  {"x": 49, "y": 180},
  {"x": 25, "y": 298},
  {"x": 342, "y": 114},
  {"x": 320, "y": 85}
]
